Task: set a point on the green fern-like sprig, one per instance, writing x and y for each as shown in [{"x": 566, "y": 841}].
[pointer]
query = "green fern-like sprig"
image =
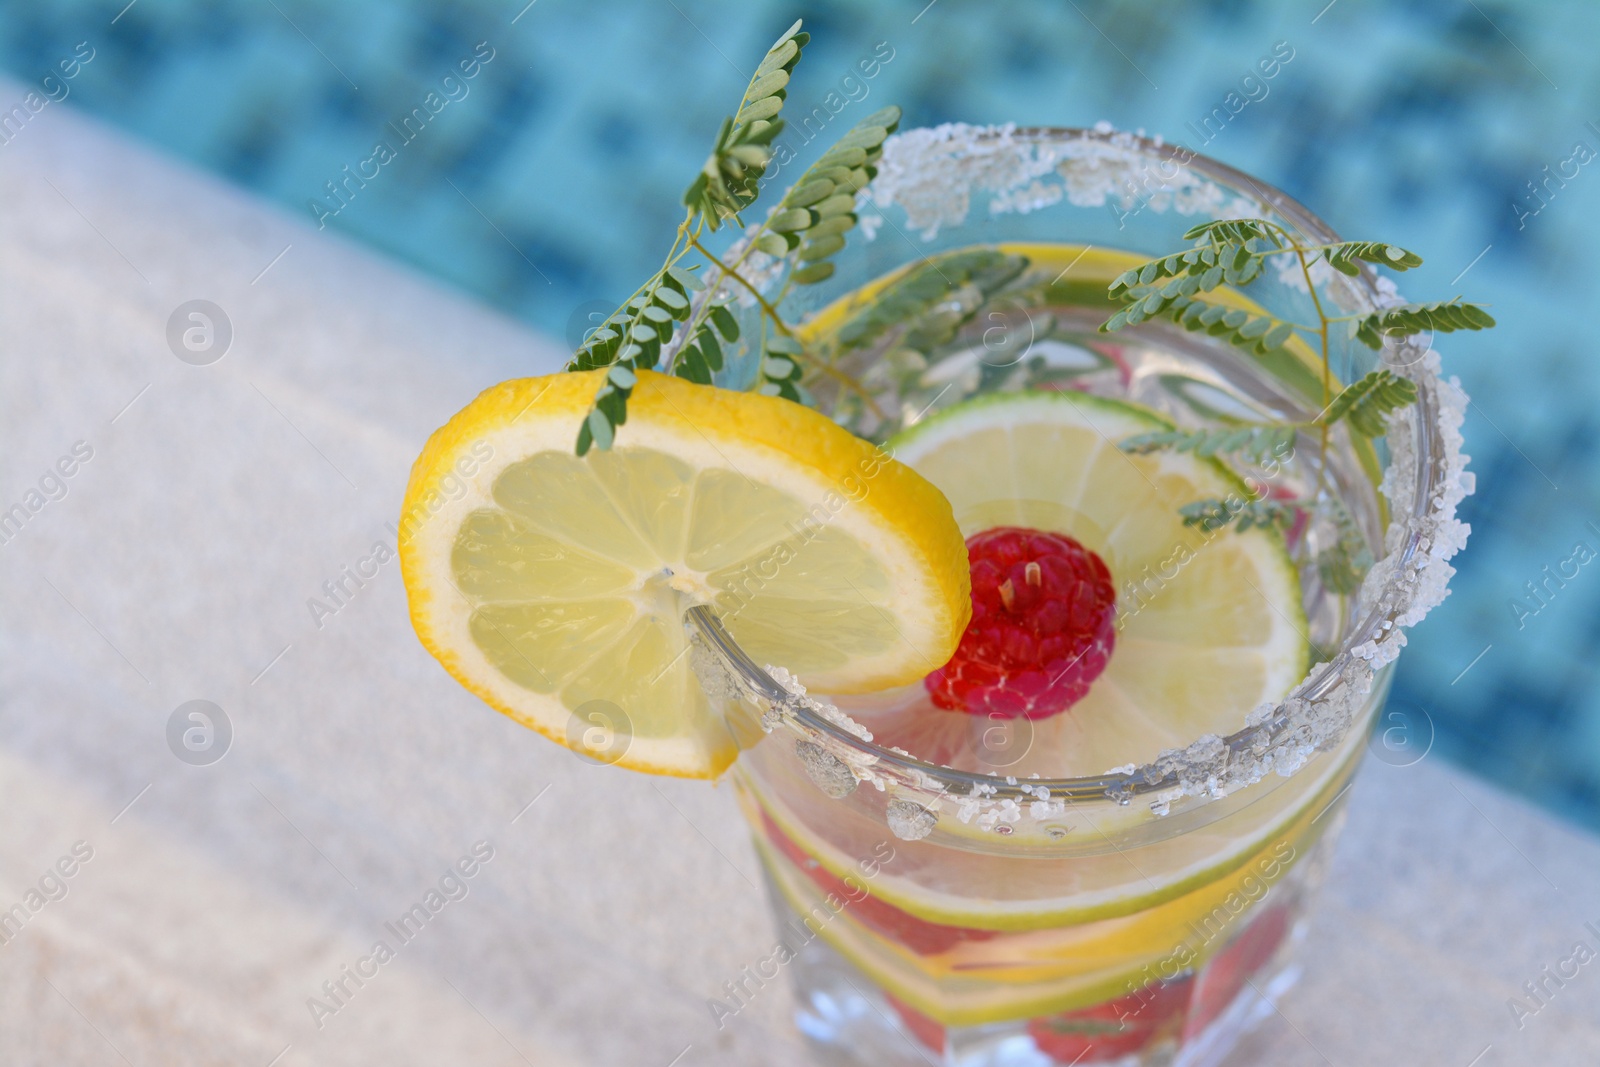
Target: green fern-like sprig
[
  {"x": 679, "y": 320},
  {"x": 1212, "y": 514},
  {"x": 1256, "y": 442},
  {"x": 1343, "y": 564},
  {"x": 1232, "y": 252}
]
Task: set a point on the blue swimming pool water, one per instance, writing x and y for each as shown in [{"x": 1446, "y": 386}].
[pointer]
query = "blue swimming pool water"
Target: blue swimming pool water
[{"x": 549, "y": 179}]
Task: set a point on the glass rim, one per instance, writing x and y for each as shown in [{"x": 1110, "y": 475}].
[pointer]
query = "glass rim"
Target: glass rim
[{"x": 1319, "y": 681}]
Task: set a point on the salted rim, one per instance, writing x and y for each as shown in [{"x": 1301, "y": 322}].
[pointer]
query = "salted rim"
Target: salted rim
[{"x": 1423, "y": 483}]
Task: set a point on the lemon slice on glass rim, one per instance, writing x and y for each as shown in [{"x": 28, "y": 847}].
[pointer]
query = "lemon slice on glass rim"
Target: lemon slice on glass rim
[{"x": 553, "y": 586}]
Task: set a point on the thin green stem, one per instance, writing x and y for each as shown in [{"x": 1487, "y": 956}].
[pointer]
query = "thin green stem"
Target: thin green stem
[
  {"x": 771, "y": 313},
  {"x": 729, "y": 272},
  {"x": 846, "y": 381},
  {"x": 733, "y": 267},
  {"x": 1327, "y": 366},
  {"x": 674, "y": 254},
  {"x": 1293, "y": 247},
  {"x": 698, "y": 316}
]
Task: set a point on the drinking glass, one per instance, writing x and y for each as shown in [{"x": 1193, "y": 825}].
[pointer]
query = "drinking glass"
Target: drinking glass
[{"x": 930, "y": 914}]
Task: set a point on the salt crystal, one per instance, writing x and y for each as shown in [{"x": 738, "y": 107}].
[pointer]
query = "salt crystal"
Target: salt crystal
[
  {"x": 826, "y": 770},
  {"x": 909, "y": 820}
]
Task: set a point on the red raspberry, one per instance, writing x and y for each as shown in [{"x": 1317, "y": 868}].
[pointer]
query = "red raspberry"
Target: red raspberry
[{"x": 1043, "y": 615}]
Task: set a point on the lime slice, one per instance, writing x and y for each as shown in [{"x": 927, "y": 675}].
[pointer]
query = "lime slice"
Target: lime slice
[
  {"x": 1209, "y": 626},
  {"x": 554, "y": 586}
]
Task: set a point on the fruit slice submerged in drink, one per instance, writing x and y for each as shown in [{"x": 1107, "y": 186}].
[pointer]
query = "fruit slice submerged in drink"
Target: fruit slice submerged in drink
[{"x": 969, "y": 976}]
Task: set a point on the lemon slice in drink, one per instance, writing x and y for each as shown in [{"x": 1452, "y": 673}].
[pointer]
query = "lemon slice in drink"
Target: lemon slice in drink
[
  {"x": 553, "y": 586},
  {"x": 1209, "y": 625}
]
